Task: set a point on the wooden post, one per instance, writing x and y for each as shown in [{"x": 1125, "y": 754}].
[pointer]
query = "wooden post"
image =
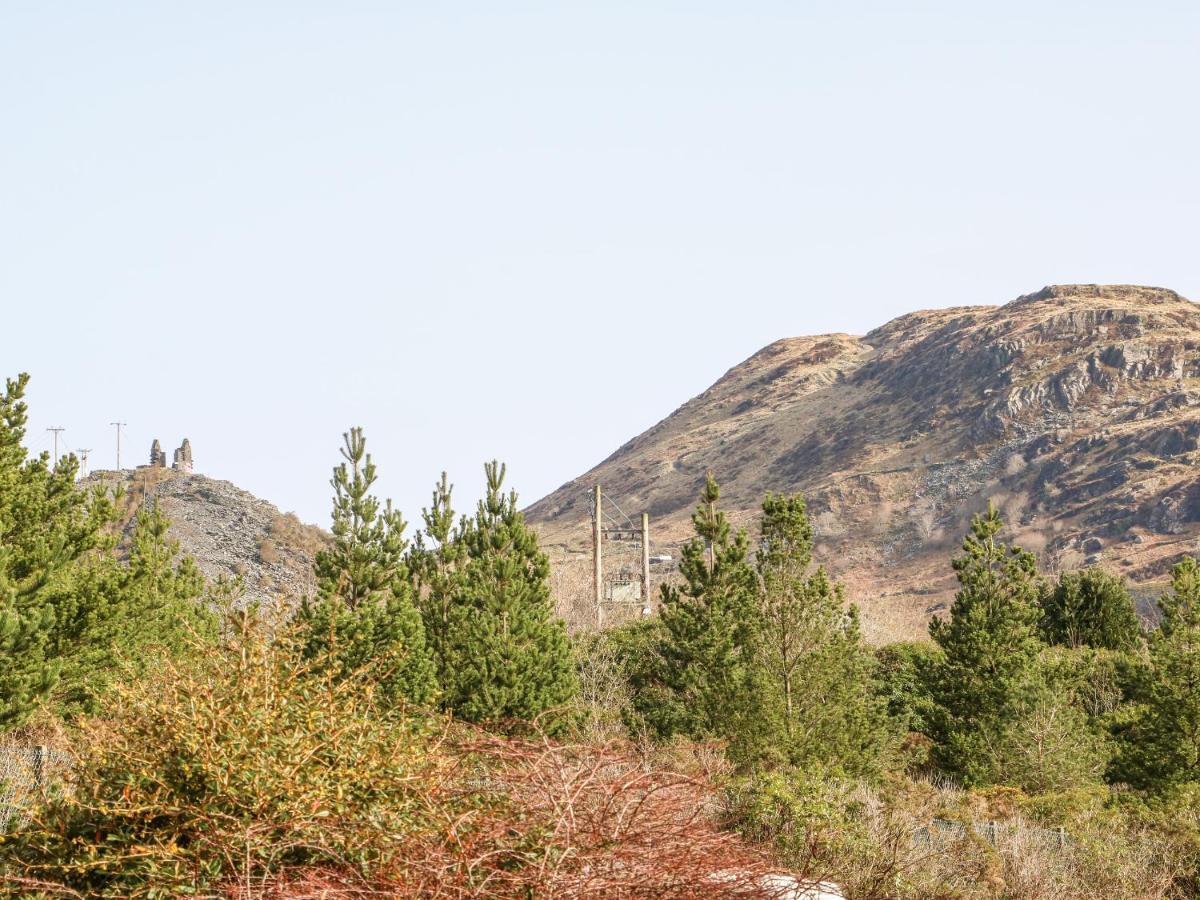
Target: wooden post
[
  {"x": 39, "y": 767},
  {"x": 646, "y": 559},
  {"x": 598, "y": 571}
]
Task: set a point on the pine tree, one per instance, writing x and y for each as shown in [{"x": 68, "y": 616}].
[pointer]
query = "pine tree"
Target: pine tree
[
  {"x": 702, "y": 680},
  {"x": 46, "y": 527},
  {"x": 990, "y": 646},
  {"x": 436, "y": 569},
  {"x": 902, "y": 681},
  {"x": 1161, "y": 748},
  {"x": 508, "y": 656},
  {"x": 1090, "y": 609},
  {"x": 816, "y": 676},
  {"x": 156, "y": 602},
  {"x": 363, "y": 613}
]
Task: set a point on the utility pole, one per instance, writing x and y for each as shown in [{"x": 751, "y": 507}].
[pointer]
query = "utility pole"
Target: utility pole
[
  {"x": 119, "y": 425},
  {"x": 598, "y": 572},
  {"x": 83, "y": 454},
  {"x": 645, "y": 558},
  {"x": 57, "y": 429}
]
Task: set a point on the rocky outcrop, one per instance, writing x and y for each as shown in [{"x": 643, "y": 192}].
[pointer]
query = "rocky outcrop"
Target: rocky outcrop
[{"x": 1075, "y": 408}]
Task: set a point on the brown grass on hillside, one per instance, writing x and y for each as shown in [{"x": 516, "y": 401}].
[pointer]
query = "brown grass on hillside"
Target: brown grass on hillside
[{"x": 287, "y": 530}]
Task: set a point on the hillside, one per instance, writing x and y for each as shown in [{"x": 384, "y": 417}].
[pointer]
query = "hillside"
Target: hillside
[
  {"x": 229, "y": 531},
  {"x": 1074, "y": 408}
]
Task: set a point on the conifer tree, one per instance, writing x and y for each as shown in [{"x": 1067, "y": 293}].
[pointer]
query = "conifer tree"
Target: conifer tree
[
  {"x": 153, "y": 572},
  {"x": 363, "y": 613},
  {"x": 702, "y": 678},
  {"x": 508, "y": 655},
  {"x": 818, "y": 695},
  {"x": 156, "y": 602},
  {"x": 436, "y": 568},
  {"x": 1161, "y": 748},
  {"x": 46, "y": 526},
  {"x": 1090, "y": 609},
  {"x": 990, "y": 646}
]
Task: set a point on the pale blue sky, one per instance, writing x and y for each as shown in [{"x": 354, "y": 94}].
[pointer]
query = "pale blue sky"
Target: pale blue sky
[{"x": 532, "y": 230}]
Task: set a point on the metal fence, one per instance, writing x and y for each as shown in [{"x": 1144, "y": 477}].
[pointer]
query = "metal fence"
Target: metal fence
[
  {"x": 999, "y": 834},
  {"x": 26, "y": 773}
]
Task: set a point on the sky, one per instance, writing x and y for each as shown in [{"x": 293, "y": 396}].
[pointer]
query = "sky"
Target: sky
[{"x": 530, "y": 231}]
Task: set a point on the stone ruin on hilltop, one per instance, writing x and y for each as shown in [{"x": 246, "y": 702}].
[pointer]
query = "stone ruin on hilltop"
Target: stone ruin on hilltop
[{"x": 182, "y": 461}]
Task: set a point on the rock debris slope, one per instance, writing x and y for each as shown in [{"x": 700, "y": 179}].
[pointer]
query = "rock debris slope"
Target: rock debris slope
[{"x": 227, "y": 530}]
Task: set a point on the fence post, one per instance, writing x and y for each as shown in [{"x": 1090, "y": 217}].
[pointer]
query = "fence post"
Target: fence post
[{"x": 39, "y": 767}]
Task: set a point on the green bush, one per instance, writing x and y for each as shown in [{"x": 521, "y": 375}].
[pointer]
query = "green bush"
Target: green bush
[
  {"x": 902, "y": 676},
  {"x": 913, "y": 840},
  {"x": 814, "y": 821},
  {"x": 233, "y": 767}
]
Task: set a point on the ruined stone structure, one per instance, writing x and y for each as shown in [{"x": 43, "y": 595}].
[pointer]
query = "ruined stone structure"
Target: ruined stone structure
[
  {"x": 183, "y": 458},
  {"x": 182, "y": 461}
]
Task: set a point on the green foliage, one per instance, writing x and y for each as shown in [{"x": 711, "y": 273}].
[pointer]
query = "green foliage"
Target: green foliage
[
  {"x": 68, "y": 609},
  {"x": 508, "y": 658},
  {"x": 1090, "y": 609},
  {"x": 1161, "y": 745},
  {"x": 1002, "y": 714},
  {"x": 903, "y": 673},
  {"x": 240, "y": 774},
  {"x": 909, "y": 840},
  {"x": 436, "y": 568},
  {"x": 237, "y": 763},
  {"x": 115, "y": 617},
  {"x": 812, "y": 819},
  {"x": 1170, "y": 817},
  {"x": 815, "y": 701},
  {"x": 46, "y": 527},
  {"x": 990, "y": 648},
  {"x": 1044, "y": 741},
  {"x": 702, "y": 681},
  {"x": 635, "y": 647},
  {"x": 364, "y": 611},
  {"x": 604, "y": 686}
]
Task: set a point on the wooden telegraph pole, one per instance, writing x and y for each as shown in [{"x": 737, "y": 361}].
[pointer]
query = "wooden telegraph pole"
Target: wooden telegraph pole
[
  {"x": 119, "y": 425},
  {"x": 83, "y": 454},
  {"x": 646, "y": 559},
  {"x": 598, "y": 569},
  {"x": 57, "y": 429}
]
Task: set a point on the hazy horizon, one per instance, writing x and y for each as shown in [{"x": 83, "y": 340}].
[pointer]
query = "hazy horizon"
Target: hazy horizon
[{"x": 532, "y": 233}]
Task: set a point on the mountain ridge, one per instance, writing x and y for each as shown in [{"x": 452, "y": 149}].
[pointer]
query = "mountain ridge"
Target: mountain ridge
[{"x": 1073, "y": 407}]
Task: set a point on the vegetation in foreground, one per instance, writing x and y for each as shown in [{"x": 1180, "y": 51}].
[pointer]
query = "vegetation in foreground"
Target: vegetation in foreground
[{"x": 425, "y": 727}]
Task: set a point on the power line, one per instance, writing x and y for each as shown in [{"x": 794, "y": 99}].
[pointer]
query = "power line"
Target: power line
[{"x": 83, "y": 455}]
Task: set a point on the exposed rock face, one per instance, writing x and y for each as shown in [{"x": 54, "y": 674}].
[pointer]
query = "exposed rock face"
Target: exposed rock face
[
  {"x": 229, "y": 531},
  {"x": 1075, "y": 408}
]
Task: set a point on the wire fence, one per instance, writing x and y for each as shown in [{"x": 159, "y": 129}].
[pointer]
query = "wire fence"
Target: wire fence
[
  {"x": 1001, "y": 835},
  {"x": 26, "y": 773}
]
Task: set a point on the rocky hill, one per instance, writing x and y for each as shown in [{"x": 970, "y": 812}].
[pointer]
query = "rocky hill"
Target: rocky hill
[
  {"x": 229, "y": 531},
  {"x": 1076, "y": 409}
]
